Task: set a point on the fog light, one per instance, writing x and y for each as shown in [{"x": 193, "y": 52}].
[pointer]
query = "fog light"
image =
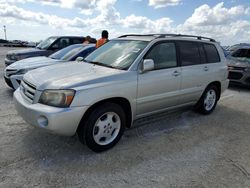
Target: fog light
[{"x": 43, "y": 121}]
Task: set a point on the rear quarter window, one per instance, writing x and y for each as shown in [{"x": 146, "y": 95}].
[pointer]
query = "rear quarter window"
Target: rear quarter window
[
  {"x": 189, "y": 53},
  {"x": 211, "y": 53}
]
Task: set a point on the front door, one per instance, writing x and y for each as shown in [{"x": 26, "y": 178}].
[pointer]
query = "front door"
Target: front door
[{"x": 158, "y": 89}]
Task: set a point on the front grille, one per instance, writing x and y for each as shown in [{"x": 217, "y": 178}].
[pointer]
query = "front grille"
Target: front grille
[
  {"x": 235, "y": 75},
  {"x": 28, "y": 90}
]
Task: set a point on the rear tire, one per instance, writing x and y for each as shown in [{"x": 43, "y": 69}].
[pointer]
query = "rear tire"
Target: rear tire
[
  {"x": 208, "y": 100},
  {"x": 103, "y": 128}
]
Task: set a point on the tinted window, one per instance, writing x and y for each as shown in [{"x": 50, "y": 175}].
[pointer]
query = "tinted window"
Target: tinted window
[
  {"x": 76, "y": 40},
  {"x": 189, "y": 52},
  {"x": 86, "y": 52},
  {"x": 61, "y": 43},
  {"x": 61, "y": 53},
  {"x": 164, "y": 55},
  {"x": 212, "y": 53},
  {"x": 242, "y": 53},
  {"x": 77, "y": 52},
  {"x": 202, "y": 54}
]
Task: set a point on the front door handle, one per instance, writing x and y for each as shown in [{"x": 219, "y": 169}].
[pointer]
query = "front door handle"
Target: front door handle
[
  {"x": 176, "y": 73},
  {"x": 206, "y": 68}
]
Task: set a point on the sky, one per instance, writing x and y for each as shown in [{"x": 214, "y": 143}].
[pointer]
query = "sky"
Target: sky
[{"x": 34, "y": 20}]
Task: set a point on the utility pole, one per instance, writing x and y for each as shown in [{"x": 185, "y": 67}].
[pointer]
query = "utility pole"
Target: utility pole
[{"x": 4, "y": 29}]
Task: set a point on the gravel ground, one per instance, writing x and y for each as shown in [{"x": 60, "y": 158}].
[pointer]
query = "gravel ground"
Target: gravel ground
[{"x": 179, "y": 149}]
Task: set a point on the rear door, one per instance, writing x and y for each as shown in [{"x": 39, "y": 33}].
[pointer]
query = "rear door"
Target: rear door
[
  {"x": 214, "y": 68},
  {"x": 159, "y": 89},
  {"x": 193, "y": 68}
]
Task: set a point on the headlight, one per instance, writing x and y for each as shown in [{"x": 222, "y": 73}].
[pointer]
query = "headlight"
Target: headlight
[
  {"x": 57, "y": 98},
  {"x": 20, "y": 57},
  {"x": 12, "y": 57}
]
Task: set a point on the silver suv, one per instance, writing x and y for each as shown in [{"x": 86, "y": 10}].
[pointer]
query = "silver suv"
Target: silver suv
[
  {"x": 127, "y": 78},
  {"x": 239, "y": 64}
]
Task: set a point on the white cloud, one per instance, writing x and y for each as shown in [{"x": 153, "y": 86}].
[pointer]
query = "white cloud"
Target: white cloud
[
  {"x": 147, "y": 25},
  {"x": 219, "y": 22},
  {"x": 205, "y": 15},
  {"x": 163, "y": 3},
  {"x": 223, "y": 24}
]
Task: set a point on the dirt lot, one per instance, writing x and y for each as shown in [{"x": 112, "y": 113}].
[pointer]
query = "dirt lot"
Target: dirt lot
[{"x": 180, "y": 149}]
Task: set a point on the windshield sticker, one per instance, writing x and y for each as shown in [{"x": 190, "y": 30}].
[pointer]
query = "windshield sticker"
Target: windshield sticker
[{"x": 136, "y": 50}]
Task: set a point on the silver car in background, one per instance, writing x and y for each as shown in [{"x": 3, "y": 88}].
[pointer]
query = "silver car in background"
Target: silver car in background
[
  {"x": 127, "y": 78},
  {"x": 239, "y": 64},
  {"x": 13, "y": 74}
]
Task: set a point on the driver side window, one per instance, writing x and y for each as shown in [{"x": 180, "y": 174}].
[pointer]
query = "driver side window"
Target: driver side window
[
  {"x": 164, "y": 55},
  {"x": 61, "y": 43}
]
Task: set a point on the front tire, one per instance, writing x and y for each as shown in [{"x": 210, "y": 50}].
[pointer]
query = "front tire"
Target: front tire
[
  {"x": 208, "y": 100},
  {"x": 103, "y": 128}
]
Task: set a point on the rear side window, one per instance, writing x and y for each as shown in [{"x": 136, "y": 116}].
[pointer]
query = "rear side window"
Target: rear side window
[
  {"x": 76, "y": 40},
  {"x": 164, "y": 55},
  {"x": 203, "y": 58},
  {"x": 61, "y": 43},
  {"x": 189, "y": 52},
  {"x": 212, "y": 53}
]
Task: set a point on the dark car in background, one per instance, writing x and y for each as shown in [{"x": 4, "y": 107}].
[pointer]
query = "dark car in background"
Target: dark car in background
[
  {"x": 239, "y": 64},
  {"x": 45, "y": 48}
]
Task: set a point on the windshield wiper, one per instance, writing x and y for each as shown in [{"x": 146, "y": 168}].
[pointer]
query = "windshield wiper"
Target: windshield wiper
[{"x": 101, "y": 64}]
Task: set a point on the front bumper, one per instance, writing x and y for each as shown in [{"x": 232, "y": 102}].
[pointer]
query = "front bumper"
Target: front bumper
[
  {"x": 240, "y": 77},
  {"x": 8, "y": 62},
  {"x": 63, "y": 121}
]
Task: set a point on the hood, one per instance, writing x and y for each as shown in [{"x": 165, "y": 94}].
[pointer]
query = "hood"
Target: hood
[
  {"x": 24, "y": 51},
  {"x": 239, "y": 62},
  {"x": 30, "y": 52},
  {"x": 71, "y": 75},
  {"x": 34, "y": 62}
]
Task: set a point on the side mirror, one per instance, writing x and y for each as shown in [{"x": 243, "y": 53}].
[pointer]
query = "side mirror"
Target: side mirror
[
  {"x": 148, "y": 65},
  {"x": 78, "y": 59}
]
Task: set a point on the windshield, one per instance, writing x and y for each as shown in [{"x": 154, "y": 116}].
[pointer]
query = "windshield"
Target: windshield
[
  {"x": 66, "y": 53},
  {"x": 46, "y": 43},
  {"x": 118, "y": 54}
]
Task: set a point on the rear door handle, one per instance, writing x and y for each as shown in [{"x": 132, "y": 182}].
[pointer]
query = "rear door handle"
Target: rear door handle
[
  {"x": 206, "y": 68},
  {"x": 176, "y": 73}
]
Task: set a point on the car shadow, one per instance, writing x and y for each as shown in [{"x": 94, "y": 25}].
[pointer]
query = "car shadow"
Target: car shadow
[
  {"x": 237, "y": 87},
  {"x": 164, "y": 134}
]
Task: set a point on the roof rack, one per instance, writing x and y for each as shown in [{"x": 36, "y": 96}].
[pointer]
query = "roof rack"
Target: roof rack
[
  {"x": 139, "y": 35},
  {"x": 168, "y": 35}
]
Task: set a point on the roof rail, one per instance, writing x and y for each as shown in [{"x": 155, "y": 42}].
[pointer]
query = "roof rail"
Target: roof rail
[
  {"x": 139, "y": 35},
  {"x": 169, "y": 35}
]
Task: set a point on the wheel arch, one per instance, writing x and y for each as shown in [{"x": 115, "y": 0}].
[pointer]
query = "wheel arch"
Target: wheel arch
[{"x": 123, "y": 102}]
